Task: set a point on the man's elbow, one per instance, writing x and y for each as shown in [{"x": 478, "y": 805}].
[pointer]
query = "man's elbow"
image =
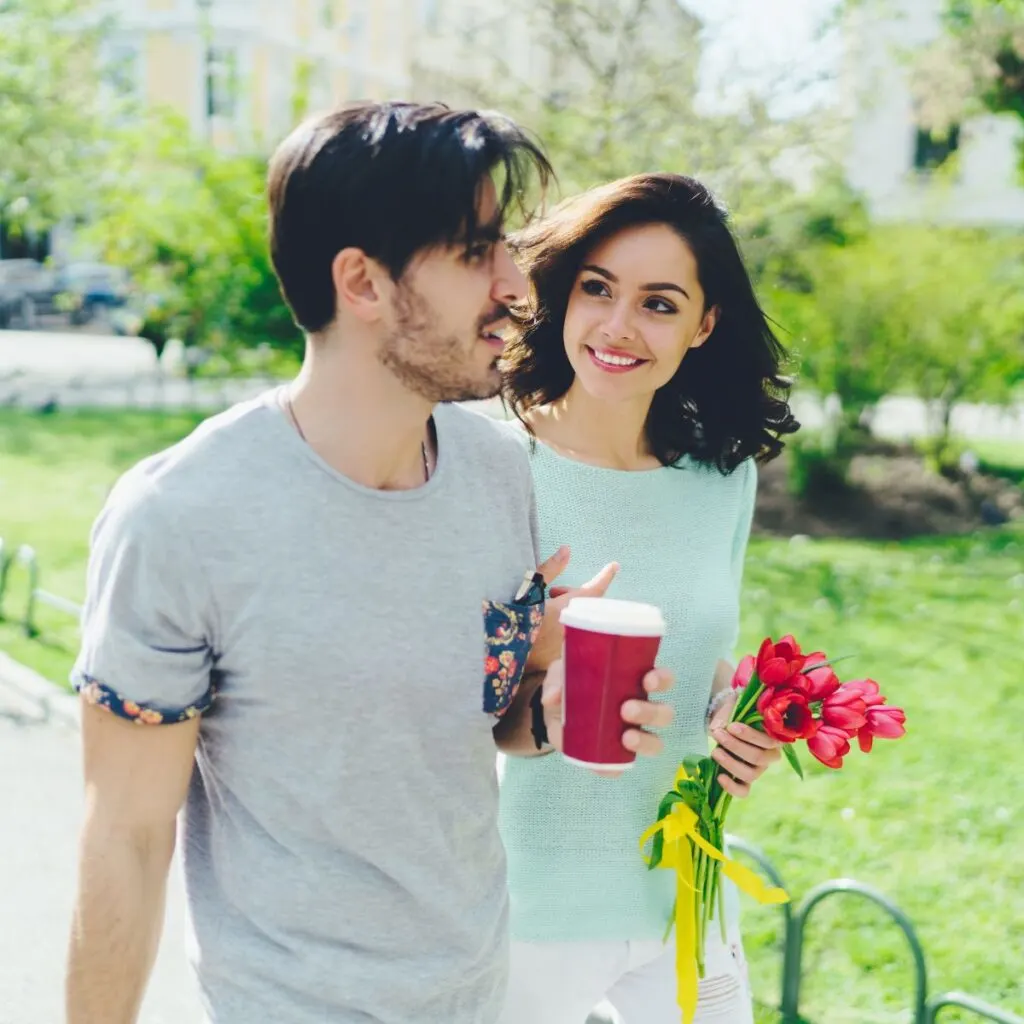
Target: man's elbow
[{"x": 149, "y": 844}]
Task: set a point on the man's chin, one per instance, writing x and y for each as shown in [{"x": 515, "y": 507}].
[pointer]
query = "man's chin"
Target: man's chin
[{"x": 479, "y": 391}]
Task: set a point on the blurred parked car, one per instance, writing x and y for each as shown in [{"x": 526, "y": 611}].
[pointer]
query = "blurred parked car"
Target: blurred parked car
[
  {"x": 28, "y": 289},
  {"x": 87, "y": 288}
]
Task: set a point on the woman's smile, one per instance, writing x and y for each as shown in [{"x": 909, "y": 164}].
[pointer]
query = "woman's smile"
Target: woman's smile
[{"x": 613, "y": 361}]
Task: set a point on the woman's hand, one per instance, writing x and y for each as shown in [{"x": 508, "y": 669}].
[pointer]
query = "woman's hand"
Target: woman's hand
[
  {"x": 642, "y": 715},
  {"x": 743, "y": 753},
  {"x": 548, "y": 647}
]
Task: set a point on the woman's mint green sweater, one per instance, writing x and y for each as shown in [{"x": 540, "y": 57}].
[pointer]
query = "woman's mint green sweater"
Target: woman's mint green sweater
[{"x": 679, "y": 535}]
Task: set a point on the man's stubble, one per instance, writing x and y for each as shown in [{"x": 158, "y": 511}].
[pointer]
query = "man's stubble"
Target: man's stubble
[{"x": 436, "y": 366}]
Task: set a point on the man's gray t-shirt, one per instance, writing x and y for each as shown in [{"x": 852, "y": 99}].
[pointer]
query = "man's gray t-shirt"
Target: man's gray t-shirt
[{"x": 341, "y": 851}]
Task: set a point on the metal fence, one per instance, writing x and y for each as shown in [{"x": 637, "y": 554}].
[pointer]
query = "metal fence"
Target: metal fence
[
  {"x": 25, "y": 557},
  {"x": 926, "y": 1010}
]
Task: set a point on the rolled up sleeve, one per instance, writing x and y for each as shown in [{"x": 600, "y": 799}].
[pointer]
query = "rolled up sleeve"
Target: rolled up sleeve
[{"x": 147, "y": 649}]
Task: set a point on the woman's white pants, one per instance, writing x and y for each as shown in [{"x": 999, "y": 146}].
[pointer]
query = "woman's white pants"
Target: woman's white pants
[{"x": 562, "y": 982}]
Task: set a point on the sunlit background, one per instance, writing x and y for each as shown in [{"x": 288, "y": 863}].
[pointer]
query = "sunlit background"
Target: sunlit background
[{"x": 870, "y": 154}]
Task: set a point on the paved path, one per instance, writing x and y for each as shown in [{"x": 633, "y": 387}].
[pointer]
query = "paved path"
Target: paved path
[{"x": 40, "y": 812}]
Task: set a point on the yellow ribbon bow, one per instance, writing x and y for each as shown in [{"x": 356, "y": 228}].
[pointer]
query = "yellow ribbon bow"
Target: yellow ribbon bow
[{"x": 679, "y": 825}]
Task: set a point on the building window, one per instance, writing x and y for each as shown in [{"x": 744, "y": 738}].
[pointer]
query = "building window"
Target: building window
[
  {"x": 221, "y": 82},
  {"x": 430, "y": 14},
  {"x": 932, "y": 149},
  {"x": 320, "y": 92},
  {"x": 122, "y": 70},
  {"x": 358, "y": 36}
]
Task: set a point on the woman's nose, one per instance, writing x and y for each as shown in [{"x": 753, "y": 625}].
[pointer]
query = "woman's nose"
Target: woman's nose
[{"x": 619, "y": 324}]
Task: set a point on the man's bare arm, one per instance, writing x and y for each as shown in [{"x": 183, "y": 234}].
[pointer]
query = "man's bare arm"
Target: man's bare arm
[{"x": 136, "y": 779}]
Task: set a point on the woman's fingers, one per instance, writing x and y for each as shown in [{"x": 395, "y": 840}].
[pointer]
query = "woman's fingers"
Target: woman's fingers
[{"x": 554, "y": 566}]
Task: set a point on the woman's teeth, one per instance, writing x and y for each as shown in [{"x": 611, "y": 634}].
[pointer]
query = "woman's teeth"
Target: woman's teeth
[{"x": 612, "y": 360}]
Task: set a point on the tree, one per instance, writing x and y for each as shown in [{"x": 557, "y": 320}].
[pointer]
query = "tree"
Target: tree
[
  {"x": 50, "y": 100},
  {"x": 978, "y": 63},
  {"x": 962, "y": 318},
  {"x": 614, "y": 91},
  {"x": 193, "y": 236},
  {"x": 934, "y": 312}
]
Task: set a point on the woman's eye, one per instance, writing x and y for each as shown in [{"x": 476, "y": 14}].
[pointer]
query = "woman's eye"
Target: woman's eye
[
  {"x": 660, "y": 305},
  {"x": 479, "y": 253},
  {"x": 594, "y": 287}
]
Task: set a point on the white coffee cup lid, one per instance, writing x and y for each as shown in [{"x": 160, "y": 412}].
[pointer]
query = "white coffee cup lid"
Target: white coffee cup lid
[{"x": 608, "y": 615}]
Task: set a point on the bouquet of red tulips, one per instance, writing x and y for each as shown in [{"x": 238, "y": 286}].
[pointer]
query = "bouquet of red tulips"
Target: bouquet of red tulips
[{"x": 790, "y": 696}]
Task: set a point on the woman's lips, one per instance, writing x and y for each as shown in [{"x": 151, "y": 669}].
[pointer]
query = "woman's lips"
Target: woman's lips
[{"x": 614, "y": 362}]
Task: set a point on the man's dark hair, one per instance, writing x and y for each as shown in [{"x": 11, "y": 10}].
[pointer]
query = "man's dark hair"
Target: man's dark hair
[{"x": 391, "y": 179}]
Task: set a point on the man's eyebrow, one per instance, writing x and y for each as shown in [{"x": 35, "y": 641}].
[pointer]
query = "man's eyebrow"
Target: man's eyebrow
[{"x": 492, "y": 233}]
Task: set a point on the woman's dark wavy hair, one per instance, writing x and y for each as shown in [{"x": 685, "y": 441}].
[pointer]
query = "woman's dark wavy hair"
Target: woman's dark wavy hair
[{"x": 728, "y": 401}]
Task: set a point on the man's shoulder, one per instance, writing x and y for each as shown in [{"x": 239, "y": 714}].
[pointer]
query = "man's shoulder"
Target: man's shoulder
[
  {"x": 201, "y": 469},
  {"x": 485, "y": 429}
]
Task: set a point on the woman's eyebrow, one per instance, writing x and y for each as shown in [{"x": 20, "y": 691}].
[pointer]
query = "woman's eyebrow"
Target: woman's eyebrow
[{"x": 657, "y": 286}]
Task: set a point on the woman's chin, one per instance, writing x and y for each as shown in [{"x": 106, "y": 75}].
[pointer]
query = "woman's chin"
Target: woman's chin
[{"x": 608, "y": 387}]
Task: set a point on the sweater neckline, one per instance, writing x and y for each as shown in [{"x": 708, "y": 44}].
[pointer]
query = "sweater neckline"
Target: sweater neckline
[{"x": 557, "y": 456}]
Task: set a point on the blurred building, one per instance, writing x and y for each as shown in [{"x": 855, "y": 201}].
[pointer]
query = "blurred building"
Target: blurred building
[
  {"x": 459, "y": 44},
  {"x": 239, "y": 70},
  {"x": 472, "y": 50},
  {"x": 968, "y": 175}
]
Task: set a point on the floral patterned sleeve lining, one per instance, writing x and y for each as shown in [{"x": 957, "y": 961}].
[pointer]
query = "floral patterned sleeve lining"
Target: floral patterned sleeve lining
[
  {"x": 96, "y": 693},
  {"x": 511, "y": 629}
]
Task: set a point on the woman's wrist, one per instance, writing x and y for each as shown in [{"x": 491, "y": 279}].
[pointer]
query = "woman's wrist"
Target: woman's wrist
[{"x": 715, "y": 704}]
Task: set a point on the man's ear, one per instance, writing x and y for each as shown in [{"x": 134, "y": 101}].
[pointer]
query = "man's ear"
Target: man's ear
[{"x": 361, "y": 284}]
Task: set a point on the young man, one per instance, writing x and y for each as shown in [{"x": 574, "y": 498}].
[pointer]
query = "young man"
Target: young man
[{"x": 284, "y": 615}]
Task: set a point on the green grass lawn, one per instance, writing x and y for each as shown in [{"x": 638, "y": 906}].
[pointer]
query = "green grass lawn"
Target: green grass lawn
[
  {"x": 936, "y": 820},
  {"x": 55, "y": 472}
]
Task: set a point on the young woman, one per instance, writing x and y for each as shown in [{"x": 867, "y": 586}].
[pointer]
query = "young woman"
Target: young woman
[{"x": 646, "y": 380}]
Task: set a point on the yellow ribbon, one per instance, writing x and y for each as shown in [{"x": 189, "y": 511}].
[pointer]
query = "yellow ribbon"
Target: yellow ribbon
[{"x": 680, "y": 825}]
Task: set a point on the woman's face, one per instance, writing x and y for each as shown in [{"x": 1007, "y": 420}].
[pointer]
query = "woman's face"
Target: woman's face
[{"x": 635, "y": 310}]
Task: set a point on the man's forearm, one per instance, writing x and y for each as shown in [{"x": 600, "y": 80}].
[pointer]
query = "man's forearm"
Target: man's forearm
[
  {"x": 117, "y": 924},
  {"x": 513, "y": 734}
]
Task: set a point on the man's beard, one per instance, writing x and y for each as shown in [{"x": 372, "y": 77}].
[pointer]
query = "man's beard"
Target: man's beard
[{"x": 433, "y": 365}]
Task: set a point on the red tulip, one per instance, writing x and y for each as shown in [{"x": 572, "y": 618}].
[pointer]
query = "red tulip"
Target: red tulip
[
  {"x": 868, "y": 691},
  {"x": 885, "y": 722},
  {"x": 778, "y": 663},
  {"x": 818, "y": 684},
  {"x": 844, "y": 709},
  {"x": 786, "y": 715},
  {"x": 829, "y": 745},
  {"x": 744, "y": 672}
]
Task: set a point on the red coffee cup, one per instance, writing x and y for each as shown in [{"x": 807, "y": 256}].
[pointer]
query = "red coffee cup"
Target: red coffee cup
[{"x": 610, "y": 646}]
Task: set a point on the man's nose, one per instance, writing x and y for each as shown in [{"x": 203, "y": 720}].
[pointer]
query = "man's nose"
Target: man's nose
[{"x": 509, "y": 282}]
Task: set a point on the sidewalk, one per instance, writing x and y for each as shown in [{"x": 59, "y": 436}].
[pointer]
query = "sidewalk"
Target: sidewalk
[{"x": 40, "y": 813}]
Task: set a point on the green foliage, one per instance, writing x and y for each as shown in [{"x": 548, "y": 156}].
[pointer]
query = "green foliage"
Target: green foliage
[
  {"x": 937, "y": 312},
  {"x": 979, "y": 62},
  {"x": 817, "y": 466},
  {"x": 51, "y": 121},
  {"x": 194, "y": 237}
]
